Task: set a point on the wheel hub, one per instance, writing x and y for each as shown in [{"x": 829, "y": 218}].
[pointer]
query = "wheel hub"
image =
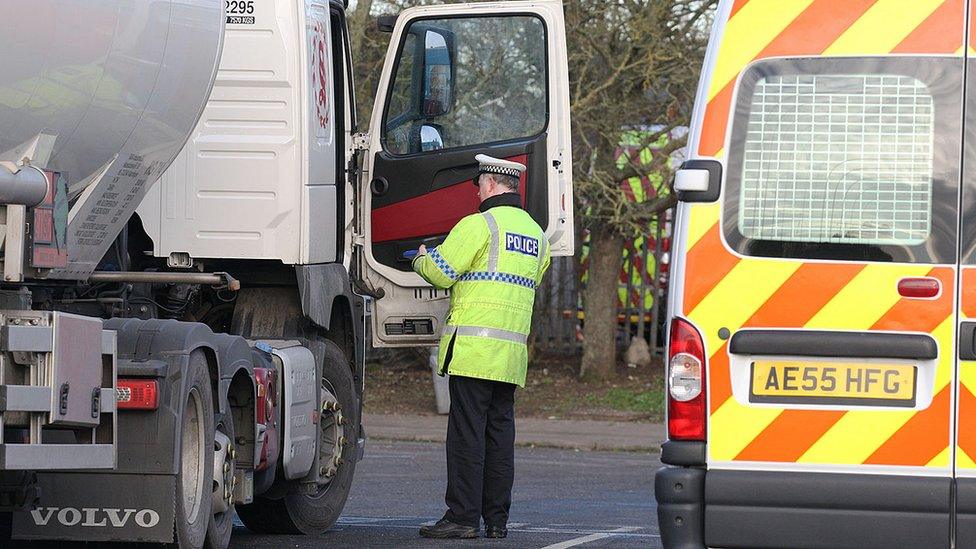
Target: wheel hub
[
  {"x": 223, "y": 475},
  {"x": 332, "y": 436}
]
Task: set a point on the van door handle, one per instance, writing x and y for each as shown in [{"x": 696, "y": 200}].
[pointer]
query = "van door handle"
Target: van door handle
[{"x": 967, "y": 341}]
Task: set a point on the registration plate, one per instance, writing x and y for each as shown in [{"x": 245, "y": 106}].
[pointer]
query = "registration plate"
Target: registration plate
[{"x": 832, "y": 383}]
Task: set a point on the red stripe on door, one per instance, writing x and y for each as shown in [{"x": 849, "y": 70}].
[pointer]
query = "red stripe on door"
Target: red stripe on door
[{"x": 434, "y": 213}]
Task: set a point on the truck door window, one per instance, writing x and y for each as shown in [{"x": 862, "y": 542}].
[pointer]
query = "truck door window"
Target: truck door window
[
  {"x": 402, "y": 97},
  {"x": 845, "y": 159},
  {"x": 467, "y": 81}
]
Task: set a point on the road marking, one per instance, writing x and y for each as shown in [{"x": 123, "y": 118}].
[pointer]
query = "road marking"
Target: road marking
[
  {"x": 587, "y": 539},
  {"x": 523, "y": 527},
  {"x": 537, "y": 530}
]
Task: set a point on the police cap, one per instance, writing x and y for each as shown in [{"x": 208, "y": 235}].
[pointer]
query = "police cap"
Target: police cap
[{"x": 489, "y": 164}]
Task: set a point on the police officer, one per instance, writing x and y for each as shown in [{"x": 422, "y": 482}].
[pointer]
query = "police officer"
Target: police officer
[{"x": 492, "y": 261}]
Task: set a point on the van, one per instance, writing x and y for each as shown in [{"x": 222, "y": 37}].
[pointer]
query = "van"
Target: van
[{"x": 822, "y": 311}]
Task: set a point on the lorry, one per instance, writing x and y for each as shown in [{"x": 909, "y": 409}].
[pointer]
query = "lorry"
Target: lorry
[
  {"x": 823, "y": 300},
  {"x": 194, "y": 224}
]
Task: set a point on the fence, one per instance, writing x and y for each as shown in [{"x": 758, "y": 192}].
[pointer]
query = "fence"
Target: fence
[
  {"x": 642, "y": 294},
  {"x": 555, "y": 323}
]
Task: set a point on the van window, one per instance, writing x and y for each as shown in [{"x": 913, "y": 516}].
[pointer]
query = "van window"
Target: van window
[{"x": 844, "y": 159}]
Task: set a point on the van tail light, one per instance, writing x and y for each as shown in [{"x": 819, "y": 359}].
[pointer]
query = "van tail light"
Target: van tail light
[
  {"x": 919, "y": 288},
  {"x": 136, "y": 394},
  {"x": 686, "y": 382}
]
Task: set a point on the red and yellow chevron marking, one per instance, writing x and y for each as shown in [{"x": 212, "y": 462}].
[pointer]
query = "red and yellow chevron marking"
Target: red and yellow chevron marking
[
  {"x": 966, "y": 443},
  {"x": 966, "y": 440},
  {"x": 931, "y": 35},
  {"x": 965, "y": 450},
  {"x": 794, "y": 432},
  {"x": 724, "y": 290},
  {"x": 968, "y": 298}
]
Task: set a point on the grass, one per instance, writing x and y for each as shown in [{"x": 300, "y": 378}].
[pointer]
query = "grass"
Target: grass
[
  {"x": 400, "y": 383},
  {"x": 648, "y": 401}
]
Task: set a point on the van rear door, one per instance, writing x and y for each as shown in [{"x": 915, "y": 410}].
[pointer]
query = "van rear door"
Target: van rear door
[
  {"x": 965, "y": 439},
  {"x": 823, "y": 281},
  {"x": 459, "y": 80}
]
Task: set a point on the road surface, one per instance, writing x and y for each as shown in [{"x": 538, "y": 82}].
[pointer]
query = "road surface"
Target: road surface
[{"x": 562, "y": 498}]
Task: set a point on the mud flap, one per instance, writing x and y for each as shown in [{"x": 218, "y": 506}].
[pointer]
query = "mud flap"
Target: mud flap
[{"x": 100, "y": 507}]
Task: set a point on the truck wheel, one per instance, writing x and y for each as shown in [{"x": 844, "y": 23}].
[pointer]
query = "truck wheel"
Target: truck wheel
[
  {"x": 221, "y": 524},
  {"x": 339, "y": 430},
  {"x": 195, "y": 476}
]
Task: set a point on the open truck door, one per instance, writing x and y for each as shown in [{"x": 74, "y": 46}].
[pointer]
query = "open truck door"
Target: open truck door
[{"x": 459, "y": 80}]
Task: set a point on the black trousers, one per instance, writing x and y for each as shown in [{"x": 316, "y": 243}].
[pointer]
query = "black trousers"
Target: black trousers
[{"x": 480, "y": 451}]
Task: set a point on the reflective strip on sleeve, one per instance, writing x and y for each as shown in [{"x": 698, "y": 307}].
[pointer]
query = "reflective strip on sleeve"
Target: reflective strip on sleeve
[
  {"x": 495, "y": 240},
  {"x": 482, "y": 276},
  {"x": 442, "y": 264},
  {"x": 493, "y": 333}
]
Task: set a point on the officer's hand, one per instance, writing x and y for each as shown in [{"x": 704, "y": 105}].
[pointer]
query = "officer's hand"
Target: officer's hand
[{"x": 422, "y": 250}]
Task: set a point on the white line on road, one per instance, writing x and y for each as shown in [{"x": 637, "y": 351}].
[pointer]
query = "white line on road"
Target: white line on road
[
  {"x": 397, "y": 524},
  {"x": 587, "y": 539}
]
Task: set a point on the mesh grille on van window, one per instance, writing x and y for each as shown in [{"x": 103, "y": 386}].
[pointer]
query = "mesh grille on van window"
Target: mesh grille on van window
[{"x": 838, "y": 158}]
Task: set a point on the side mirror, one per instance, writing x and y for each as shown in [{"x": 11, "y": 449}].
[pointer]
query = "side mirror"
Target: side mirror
[
  {"x": 698, "y": 181},
  {"x": 438, "y": 77},
  {"x": 431, "y": 138},
  {"x": 386, "y": 23}
]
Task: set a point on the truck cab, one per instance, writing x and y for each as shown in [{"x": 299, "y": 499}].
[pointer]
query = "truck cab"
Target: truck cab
[{"x": 278, "y": 141}]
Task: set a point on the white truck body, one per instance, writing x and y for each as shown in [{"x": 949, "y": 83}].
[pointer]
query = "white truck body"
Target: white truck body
[
  {"x": 223, "y": 317},
  {"x": 258, "y": 178}
]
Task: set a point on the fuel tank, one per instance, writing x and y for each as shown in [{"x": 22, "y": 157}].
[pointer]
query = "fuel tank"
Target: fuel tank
[{"x": 106, "y": 92}]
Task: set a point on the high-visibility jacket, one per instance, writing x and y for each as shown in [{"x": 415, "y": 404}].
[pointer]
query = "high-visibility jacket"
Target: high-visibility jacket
[{"x": 492, "y": 261}]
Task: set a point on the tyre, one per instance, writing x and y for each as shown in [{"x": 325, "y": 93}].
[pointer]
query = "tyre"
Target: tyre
[
  {"x": 195, "y": 475},
  {"x": 339, "y": 430},
  {"x": 6, "y": 520},
  {"x": 221, "y": 524}
]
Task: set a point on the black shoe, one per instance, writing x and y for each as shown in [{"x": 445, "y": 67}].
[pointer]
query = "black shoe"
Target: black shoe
[
  {"x": 445, "y": 529},
  {"x": 496, "y": 532}
]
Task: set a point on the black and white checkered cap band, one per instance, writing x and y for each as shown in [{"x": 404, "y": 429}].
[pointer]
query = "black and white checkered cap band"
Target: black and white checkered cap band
[{"x": 514, "y": 172}]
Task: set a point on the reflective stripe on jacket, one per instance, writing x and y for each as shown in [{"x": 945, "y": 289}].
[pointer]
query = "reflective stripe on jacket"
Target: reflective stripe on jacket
[{"x": 492, "y": 262}]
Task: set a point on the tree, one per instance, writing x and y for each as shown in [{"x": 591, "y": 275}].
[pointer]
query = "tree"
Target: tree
[
  {"x": 634, "y": 68},
  {"x": 368, "y": 47}
]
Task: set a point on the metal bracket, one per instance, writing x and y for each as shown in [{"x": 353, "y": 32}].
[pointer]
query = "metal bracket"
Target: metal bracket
[
  {"x": 179, "y": 260},
  {"x": 360, "y": 141},
  {"x": 15, "y": 243},
  {"x": 35, "y": 151}
]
